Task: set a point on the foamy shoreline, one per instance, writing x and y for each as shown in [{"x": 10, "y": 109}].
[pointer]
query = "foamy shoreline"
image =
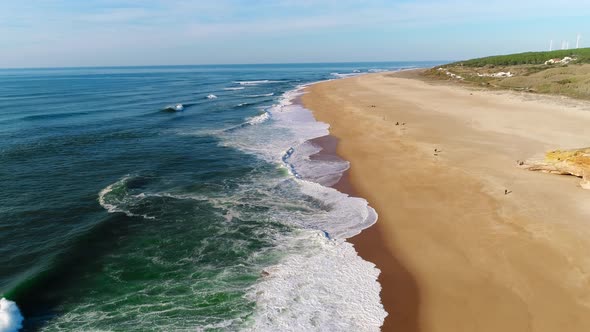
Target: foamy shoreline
[
  {"x": 449, "y": 241},
  {"x": 319, "y": 267}
]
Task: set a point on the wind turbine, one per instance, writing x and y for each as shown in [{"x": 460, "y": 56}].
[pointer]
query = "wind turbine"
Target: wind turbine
[
  {"x": 551, "y": 45},
  {"x": 578, "y": 41}
]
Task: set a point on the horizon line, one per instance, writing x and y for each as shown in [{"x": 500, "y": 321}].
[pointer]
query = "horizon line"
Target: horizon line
[{"x": 223, "y": 64}]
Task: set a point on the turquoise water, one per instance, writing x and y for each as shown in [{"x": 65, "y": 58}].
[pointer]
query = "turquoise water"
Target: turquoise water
[{"x": 118, "y": 216}]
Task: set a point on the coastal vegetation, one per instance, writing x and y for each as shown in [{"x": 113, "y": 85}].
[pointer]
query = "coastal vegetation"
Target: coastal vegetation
[
  {"x": 528, "y": 58},
  {"x": 562, "y": 72}
]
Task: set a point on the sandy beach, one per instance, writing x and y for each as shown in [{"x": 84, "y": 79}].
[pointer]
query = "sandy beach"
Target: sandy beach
[{"x": 466, "y": 240}]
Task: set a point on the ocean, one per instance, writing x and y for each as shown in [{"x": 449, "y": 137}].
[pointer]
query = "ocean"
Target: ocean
[{"x": 119, "y": 215}]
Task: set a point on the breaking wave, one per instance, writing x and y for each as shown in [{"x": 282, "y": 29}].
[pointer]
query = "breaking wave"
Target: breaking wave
[
  {"x": 255, "y": 82},
  {"x": 340, "y": 75},
  {"x": 322, "y": 285},
  {"x": 261, "y": 95},
  {"x": 316, "y": 285},
  {"x": 11, "y": 319},
  {"x": 116, "y": 197},
  {"x": 259, "y": 118}
]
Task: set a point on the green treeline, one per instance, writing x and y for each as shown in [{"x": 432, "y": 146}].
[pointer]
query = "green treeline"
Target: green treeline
[{"x": 533, "y": 58}]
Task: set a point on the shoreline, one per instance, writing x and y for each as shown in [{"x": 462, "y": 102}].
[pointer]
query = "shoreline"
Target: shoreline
[
  {"x": 393, "y": 277},
  {"x": 448, "y": 276}
]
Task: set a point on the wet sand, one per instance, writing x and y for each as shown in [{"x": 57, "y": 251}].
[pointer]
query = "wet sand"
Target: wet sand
[
  {"x": 393, "y": 274},
  {"x": 456, "y": 252}
]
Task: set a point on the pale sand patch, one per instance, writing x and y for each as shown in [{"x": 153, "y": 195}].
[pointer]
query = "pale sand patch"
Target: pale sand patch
[{"x": 480, "y": 260}]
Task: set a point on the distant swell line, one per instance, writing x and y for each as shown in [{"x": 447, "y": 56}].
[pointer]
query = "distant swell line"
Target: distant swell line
[
  {"x": 256, "y": 82},
  {"x": 261, "y": 95},
  {"x": 53, "y": 116}
]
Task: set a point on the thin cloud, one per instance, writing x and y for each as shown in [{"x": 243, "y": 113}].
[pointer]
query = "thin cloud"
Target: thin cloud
[{"x": 90, "y": 31}]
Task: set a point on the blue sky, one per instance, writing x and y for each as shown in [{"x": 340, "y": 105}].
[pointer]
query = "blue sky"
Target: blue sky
[{"x": 48, "y": 33}]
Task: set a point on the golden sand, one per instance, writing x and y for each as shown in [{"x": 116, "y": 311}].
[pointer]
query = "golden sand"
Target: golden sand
[{"x": 466, "y": 240}]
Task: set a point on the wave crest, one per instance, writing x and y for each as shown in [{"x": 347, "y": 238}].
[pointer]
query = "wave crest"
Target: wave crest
[
  {"x": 261, "y": 95},
  {"x": 255, "y": 82},
  {"x": 117, "y": 198},
  {"x": 259, "y": 118},
  {"x": 340, "y": 75},
  {"x": 11, "y": 319}
]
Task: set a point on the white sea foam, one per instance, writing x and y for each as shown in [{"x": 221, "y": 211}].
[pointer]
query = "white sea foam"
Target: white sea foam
[
  {"x": 321, "y": 285},
  {"x": 234, "y": 88},
  {"x": 211, "y": 96},
  {"x": 255, "y": 82},
  {"x": 174, "y": 108},
  {"x": 292, "y": 125},
  {"x": 340, "y": 75},
  {"x": 261, "y": 95},
  {"x": 11, "y": 319},
  {"x": 116, "y": 204},
  {"x": 259, "y": 118},
  {"x": 326, "y": 172},
  {"x": 343, "y": 217},
  {"x": 286, "y": 139},
  {"x": 103, "y": 193}
]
